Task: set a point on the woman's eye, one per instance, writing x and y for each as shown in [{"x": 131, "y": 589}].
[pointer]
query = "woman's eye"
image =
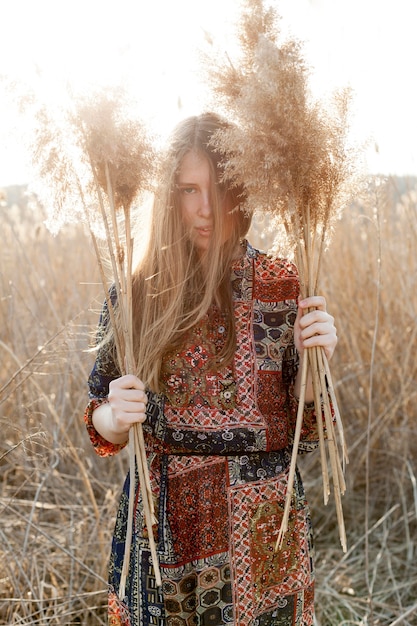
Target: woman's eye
[{"x": 187, "y": 190}]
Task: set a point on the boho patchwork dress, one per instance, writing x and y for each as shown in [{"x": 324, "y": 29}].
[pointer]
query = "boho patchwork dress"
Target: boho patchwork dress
[{"x": 219, "y": 447}]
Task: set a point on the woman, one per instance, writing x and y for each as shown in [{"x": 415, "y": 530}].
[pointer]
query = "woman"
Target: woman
[{"x": 219, "y": 336}]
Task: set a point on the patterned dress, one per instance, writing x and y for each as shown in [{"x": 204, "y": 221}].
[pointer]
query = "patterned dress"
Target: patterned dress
[{"x": 219, "y": 447}]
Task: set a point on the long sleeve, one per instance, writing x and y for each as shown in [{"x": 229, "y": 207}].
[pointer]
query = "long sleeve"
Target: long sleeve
[{"x": 103, "y": 372}]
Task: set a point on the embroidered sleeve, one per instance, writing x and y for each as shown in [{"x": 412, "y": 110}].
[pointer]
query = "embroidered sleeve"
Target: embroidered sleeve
[
  {"x": 103, "y": 372},
  {"x": 100, "y": 445}
]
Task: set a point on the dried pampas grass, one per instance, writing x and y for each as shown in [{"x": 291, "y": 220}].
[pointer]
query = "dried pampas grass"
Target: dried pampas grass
[
  {"x": 95, "y": 160},
  {"x": 292, "y": 154}
]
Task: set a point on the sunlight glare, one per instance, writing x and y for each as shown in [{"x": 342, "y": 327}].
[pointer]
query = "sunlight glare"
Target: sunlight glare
[{"x": 55, "y": 48}]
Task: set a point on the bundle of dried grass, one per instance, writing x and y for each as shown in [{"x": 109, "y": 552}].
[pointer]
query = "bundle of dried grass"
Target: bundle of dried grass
[
  {"x": 292, "y": 155},
  {"x": 96, "y": 161}
]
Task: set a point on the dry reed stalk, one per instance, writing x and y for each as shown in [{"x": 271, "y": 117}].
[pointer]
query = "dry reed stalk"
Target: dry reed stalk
[
  {"x": 105, "y": 168},
  {"x": 309, "y": 251},
  {"x": 73, "y": 451},
  {"x": 292, "y": 155}
]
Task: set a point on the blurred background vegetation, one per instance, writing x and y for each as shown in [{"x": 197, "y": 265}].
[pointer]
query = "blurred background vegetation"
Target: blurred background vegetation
[{"x": 58, "y": 499}]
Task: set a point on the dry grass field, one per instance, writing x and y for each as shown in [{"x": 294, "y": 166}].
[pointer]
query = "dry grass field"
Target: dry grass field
[{"x": 58, "y": 500}]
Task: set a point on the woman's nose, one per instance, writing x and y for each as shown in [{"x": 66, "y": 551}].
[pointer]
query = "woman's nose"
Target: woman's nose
[{"x": 205, "y": 204}]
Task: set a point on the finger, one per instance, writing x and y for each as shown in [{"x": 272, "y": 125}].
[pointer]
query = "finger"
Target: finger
[
  {"x": 133, "y": 395},
  {"x": 320, "y": 337},
  {"x": 131, "y": 407},
  {"x": 125, "y": 419},
  {"x": 316, "y": 317},
  {"x": 128, "y": 403},
  {"x": 128, "y": 412},
  {"x": 310, "y": 338},
  {"x": 120, "y": 394},
  {"x": 134, "y": 412},
  {"x": 129, "y": 381},
  {"x": 323, "y": 337},
  {"x": 313, "y": 302}
]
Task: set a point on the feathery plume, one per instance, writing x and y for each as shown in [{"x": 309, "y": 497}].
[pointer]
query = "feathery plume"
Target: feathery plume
[
  {"x": 95, "y": 160},
  {"x": 292, "y": 154}
]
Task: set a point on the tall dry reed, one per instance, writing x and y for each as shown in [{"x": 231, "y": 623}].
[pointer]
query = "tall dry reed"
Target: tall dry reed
[
  {"x": 292, "y": 155},
  {"x": 95, "y": 158},
  {"x": 369, "y": 278},
  {"x": 56, "y": 501}
]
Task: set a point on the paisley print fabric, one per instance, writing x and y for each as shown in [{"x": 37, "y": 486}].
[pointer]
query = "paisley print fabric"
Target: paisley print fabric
[{"x": 219, "y": 448}]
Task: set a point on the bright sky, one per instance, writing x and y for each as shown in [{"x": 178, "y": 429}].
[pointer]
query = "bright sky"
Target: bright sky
[{"x": 151, "y": 45}]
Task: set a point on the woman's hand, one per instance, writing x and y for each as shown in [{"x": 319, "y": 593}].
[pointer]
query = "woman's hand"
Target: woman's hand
[
  {"x": 315, "y": 327},
  {"x": 127, "y": 399}
]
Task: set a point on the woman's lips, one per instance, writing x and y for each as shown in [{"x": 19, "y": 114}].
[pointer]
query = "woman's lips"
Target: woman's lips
[{"x": 204, "y": 232}]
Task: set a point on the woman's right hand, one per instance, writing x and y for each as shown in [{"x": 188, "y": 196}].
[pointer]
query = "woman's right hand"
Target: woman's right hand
[{"x": 127, "y": 399}]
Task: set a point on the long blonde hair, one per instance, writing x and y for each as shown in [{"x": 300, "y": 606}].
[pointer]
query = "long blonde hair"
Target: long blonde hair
[{"x": 173, "y": 286}]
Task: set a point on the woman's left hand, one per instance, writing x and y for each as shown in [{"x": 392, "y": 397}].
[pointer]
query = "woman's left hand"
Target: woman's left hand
[{"x": 314, "y": 327}]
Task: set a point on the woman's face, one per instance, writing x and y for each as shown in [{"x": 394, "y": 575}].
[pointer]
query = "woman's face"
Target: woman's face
[{"x": 194, "y": 185}]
